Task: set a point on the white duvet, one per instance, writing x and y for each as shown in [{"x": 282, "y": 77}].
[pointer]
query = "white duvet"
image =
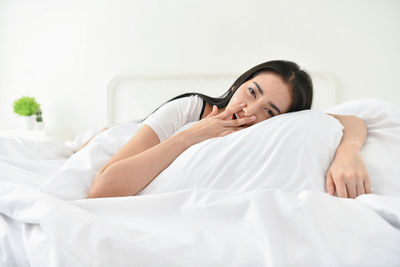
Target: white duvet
[{"x": 252, "y": 198}]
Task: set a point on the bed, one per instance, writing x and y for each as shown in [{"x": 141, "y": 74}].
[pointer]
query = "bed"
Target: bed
[{"x": 220, "y": 203}]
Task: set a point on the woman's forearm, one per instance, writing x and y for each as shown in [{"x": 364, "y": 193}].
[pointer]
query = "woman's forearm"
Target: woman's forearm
[
  {"x": 347, "y": 174},
  {"x": 355, "y": 131},
  {"x": 129, "y": 176}
]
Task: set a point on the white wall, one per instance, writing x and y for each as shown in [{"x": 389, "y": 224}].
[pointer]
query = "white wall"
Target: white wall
[{"x": 64, "y": 52}]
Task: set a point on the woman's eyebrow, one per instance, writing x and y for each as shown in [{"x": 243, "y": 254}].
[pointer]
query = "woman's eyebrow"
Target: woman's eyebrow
[{"x": 259, "y": 88}]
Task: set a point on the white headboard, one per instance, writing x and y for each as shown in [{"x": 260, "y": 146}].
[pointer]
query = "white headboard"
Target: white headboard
[{"x": 132, "y": 97}]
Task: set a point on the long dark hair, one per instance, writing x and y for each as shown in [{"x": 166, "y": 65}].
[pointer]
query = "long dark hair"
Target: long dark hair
[{"x": 299, "y": 80}]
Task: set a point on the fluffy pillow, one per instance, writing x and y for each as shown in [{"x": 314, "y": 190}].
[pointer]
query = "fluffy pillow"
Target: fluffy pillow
[
  {"x": 381, "y": 151},
  {"x": 291, "y": 152}
]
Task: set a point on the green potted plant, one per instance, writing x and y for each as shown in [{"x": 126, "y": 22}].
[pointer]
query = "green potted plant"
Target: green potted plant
[{"x": 27, "y": 107}]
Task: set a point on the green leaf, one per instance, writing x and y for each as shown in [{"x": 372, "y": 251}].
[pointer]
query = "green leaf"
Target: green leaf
[{"x": 26, "y": 106}]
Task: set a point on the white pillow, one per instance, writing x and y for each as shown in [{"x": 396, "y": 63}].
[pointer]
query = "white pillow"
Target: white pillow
[
  {"x": 381, "y": 151},
  {"x": 291, "y": 152}
]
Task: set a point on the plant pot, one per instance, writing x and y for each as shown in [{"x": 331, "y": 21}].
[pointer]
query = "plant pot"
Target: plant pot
[
  {"x": 39, "y": 125},
  {"x": 29, "y": 122}
]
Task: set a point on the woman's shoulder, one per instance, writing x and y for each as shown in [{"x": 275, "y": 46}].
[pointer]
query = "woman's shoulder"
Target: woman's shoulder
[
  {"x": 175, "y": 114},
  {"x": 193, "y": 105}
]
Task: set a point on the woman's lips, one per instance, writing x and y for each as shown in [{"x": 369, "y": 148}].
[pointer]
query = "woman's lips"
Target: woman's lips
[{"x": 236, "y": 116}]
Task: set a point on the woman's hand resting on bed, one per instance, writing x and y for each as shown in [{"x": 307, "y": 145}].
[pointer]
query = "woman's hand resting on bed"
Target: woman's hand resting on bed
[
  {"x": 348, "y": 175},
  {"x": 218, "y": 124}
]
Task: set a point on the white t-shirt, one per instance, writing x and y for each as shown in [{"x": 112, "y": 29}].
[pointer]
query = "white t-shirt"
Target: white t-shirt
[{"x": 173, "y": 115}]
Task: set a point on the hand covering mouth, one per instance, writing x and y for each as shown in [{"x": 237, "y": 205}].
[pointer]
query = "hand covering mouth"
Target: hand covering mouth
[{"x": 235, "y": 117}]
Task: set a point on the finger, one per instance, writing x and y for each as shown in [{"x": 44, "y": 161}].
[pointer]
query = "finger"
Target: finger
[
  {"x": 230, "y": 111},
  {"x": 329, "y": 185},
  {"x": 341, "y": 189},
  {"x": 351, "y": 189},
  {"x": 213, "y": 112},
  {"x": 360, "y": 186},
  {"x": 239, "y": 122}
]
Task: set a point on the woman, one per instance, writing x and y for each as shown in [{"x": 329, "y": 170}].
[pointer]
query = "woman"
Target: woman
[{"x": 266, "y": 90}]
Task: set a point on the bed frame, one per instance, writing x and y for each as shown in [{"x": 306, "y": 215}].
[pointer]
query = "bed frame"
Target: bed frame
[{"x": 132, "y": 97}]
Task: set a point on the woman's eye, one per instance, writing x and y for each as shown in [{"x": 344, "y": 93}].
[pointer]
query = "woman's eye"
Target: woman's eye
[
  {"x": 269, "y": 112},
  {"x": 252, "y": 91}
]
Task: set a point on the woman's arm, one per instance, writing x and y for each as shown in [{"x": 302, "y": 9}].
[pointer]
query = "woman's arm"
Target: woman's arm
[
  {"x": 129, "y": 175},
  {"x": 143, "y": 157},
  {"x": 347, "y": 174}
]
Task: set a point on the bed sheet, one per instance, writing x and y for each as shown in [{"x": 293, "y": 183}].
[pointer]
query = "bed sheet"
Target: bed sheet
[
  {"x": 28, "y": 164},
  {"x": 206, "y": 228}
]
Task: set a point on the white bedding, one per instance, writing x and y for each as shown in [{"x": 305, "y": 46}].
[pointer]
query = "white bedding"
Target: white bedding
[{"x": 271, "y": 211}]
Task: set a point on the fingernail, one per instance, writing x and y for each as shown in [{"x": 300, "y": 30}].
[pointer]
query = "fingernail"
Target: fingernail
[
  {"x": 243, "y": 105},
  {"x": 253, "y": 118}
]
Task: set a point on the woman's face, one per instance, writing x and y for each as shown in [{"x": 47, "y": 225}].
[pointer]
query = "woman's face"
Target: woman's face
[{"x": 266, "y": 95}]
